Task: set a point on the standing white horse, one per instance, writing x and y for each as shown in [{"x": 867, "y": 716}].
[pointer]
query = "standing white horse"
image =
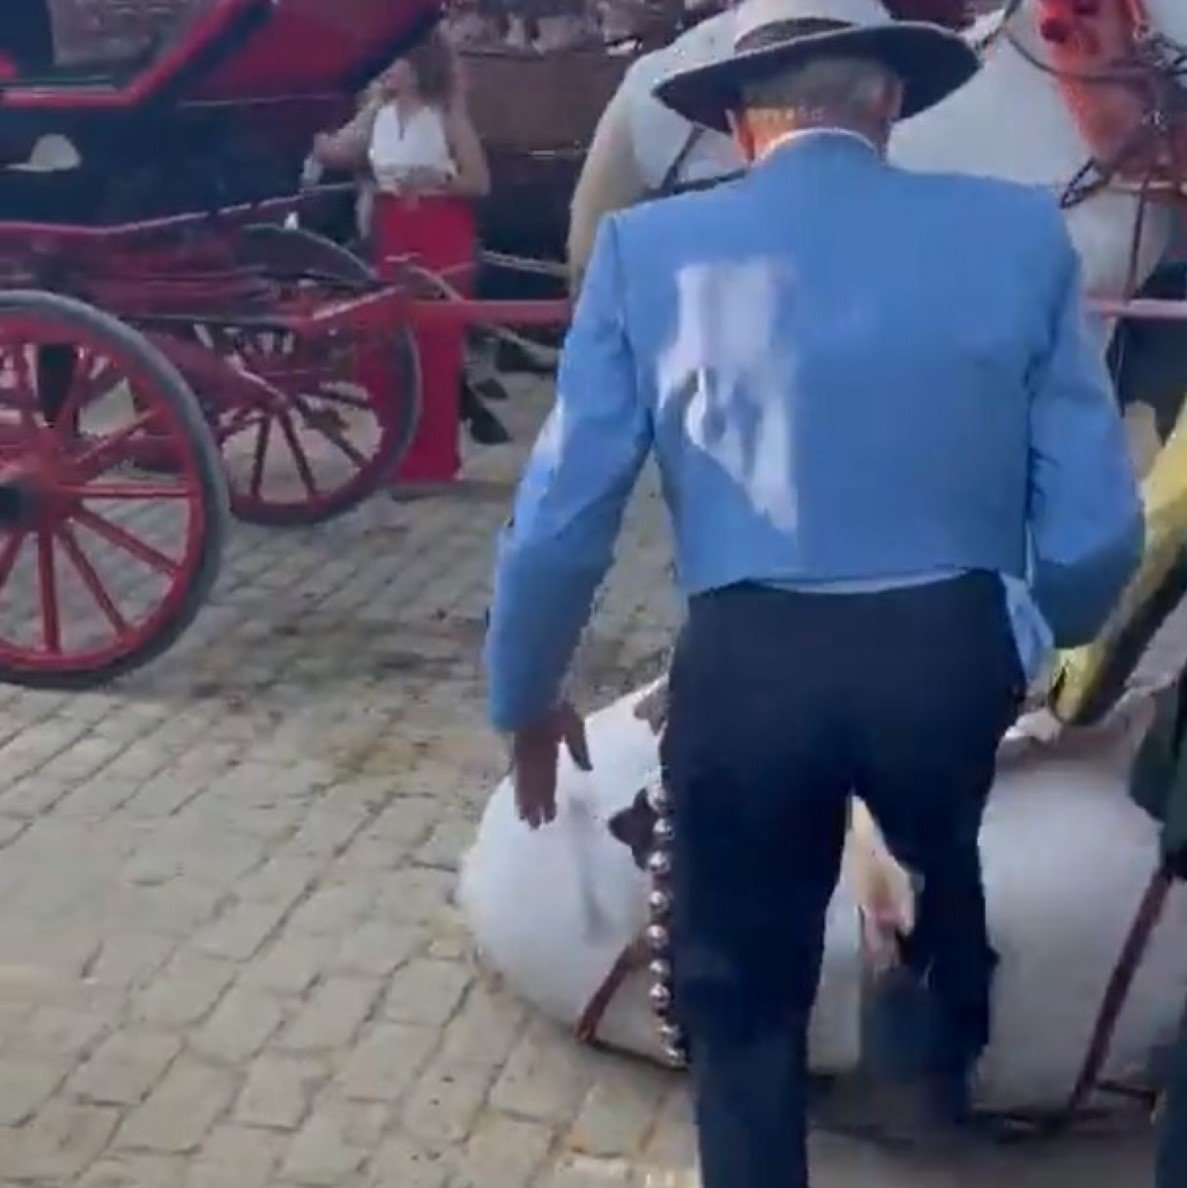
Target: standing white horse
[
  {"x": 1012, "y": 121},
  {"x": 1067, "y": 855}
]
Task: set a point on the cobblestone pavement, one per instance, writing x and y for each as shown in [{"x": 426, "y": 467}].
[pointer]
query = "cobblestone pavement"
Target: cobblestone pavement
[{"x": 227, "y": 955}]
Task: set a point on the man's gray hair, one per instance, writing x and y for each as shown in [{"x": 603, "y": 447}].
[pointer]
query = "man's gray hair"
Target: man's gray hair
[{"x": 842, "y": 87}]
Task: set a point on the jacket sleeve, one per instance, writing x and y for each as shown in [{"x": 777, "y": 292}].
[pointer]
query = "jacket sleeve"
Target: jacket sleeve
[
  {"x": 1085, "y": 511},
  {"x": 556, "y": 550}
]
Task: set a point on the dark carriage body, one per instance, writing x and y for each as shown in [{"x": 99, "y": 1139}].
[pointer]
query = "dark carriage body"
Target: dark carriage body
[
  {"x": 179, "y": 105},
  {"x": 536, "y": 114}
]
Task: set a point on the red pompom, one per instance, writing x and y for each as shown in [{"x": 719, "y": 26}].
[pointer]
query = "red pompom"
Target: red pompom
[{"x": 1055, "y": 29}]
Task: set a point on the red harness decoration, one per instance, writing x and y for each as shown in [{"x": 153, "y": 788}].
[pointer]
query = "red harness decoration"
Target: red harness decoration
[{"x": 1126, "y": 85}]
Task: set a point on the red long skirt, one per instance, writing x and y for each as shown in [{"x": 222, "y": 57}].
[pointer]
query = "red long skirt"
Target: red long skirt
[{"x": 439, "y": 232}]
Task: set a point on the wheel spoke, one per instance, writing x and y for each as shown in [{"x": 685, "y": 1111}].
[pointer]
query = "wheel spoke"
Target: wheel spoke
[
  {"x": 48, "y": 580},
  {"x": 349, "y": 399},
  {"x": 89, "y": 369},
  {"x": 299, "y": 455},
  {"x": 25, "y": 396},
  {"x": 316, "y": 422},
  {"x": 10, "y": 552},
  {"x": 241, "y": 420},
  {"x": 256, "y": 481},
  {"x": 105, "y": 452},
  {"x": 119, "y": 536},
  {"x": 91, "y": 579},
  {"x": 126, "y": 491}
]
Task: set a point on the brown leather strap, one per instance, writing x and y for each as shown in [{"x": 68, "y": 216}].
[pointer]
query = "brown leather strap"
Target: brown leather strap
[
  {"x": 1116, "y": 993},
  {"x": 669, "y": 180},
  {"x": 591, "y": 1018}
]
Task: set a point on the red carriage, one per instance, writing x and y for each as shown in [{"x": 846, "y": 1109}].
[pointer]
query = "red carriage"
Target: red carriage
[{"x": 170, "y": 350}]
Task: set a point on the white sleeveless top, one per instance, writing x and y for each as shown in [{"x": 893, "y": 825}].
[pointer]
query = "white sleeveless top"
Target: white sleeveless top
[{"x": 417, "y": 142}]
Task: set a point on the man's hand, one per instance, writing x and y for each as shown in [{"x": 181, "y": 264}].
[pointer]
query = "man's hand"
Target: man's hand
[{"x": 535, "y": 752}]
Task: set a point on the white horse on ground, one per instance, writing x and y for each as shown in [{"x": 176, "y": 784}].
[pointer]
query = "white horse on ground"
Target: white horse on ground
[
  {"x": 1067, "y": 855},
  {"x": 1067, "y": 858}
]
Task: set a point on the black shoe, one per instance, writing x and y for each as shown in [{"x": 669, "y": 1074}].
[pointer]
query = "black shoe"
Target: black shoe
[
  {"x": 511, "y": 359},
  {"x": 489, "y": 389},
  {"x": 484, "y": 427}
]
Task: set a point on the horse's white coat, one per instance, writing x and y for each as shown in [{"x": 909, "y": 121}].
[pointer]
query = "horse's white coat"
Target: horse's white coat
[
  {"x": 1067, "y": 857},
  {"x": 552, "y": 910}
]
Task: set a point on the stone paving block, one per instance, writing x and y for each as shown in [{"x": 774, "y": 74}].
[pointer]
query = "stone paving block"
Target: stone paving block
[
  {"x": 291, "y": 963},
  {"x": 241, "y": 1024},
  {"x": 284, "y": 879},
  {"x": 619, "y": 1110},
  {"x": 333, "y": 1144},
  {"x": 671, "y": 1142},
  {"x": 415, "y": 895},
  {"x": 410, "y": 1163},
  {"x": 10, "y": 829},
  {"x": 185, "y": 990},
  {"x": 61, "y": 1030},
  {"x": 239, "y": 932},
  {"x": 546, "y": 1077},
  {"x": 334, "y": 1013},
  {"x": 486, "y": 1027},
  {"x": 426, "y": 991},
  {"x": 445, "y": 1101},
  {"x": 135, "y": 1171},
  {"x": 333, "y": 910},
  {"x": 581, "y": 1171},
  {"x": 376, "y": 948},
  {"x": 385, "y": 1062},
  {"x": 503, "y": 1151},
  {"x": 26, "y": 1083},
  {"x": 61, "y": 1142},
  {"x": 176, "y": 906},
  {"x": 128, "y": 959},
  {"x": 125, "y": 1067},
  {"x": 236, "y": 1157},
  {"x": 447, "y": 843},
  {"x": 180, "y": 1111},
  {"x": 278, "y": 1090}
]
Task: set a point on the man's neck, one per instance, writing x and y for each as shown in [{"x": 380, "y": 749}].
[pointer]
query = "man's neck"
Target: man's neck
[{"x": 779, "y": 132}]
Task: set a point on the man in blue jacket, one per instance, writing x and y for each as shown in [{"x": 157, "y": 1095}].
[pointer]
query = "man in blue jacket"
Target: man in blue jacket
[{"x": 877, "y": 410}]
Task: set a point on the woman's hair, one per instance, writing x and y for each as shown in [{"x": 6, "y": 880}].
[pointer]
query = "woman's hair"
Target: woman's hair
[{"x": 435, "y": 65}]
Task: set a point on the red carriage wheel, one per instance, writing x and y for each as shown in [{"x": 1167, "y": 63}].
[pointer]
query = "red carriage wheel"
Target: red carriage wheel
[
  {"x": 101, "y": 567},
  {"x": 324, "y": 430}
]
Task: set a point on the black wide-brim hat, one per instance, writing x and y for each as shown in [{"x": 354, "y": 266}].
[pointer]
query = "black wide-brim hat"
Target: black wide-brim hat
[{"x": 773, "y": 35}]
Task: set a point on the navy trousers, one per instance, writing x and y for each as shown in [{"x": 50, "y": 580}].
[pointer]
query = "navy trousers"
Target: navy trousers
[
  {"x": 1172, "y": 1137},
  {"x": 781, "y": 705}
]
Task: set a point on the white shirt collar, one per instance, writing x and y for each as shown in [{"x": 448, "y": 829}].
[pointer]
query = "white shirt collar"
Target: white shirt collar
[{"x": 801, "y": 134}]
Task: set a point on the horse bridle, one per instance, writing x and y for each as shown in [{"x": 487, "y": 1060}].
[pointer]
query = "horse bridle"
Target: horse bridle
[{"x": 1151, "y": 159}]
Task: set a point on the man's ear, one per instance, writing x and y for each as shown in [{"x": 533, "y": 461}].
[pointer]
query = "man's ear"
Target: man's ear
[{"x": 743, "y": 135}]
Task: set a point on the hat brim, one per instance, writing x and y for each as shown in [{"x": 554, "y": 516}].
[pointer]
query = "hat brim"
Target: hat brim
[{"x": 931, "y": 61}]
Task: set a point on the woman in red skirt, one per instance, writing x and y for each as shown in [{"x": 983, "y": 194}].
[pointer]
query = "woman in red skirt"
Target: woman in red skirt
[{"x": 417, "y": 144}]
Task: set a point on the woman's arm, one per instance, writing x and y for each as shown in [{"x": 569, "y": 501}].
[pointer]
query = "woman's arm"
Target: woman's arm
[
  {"x": 473, "y": 172},
  {"x": 347, "y": 148}
]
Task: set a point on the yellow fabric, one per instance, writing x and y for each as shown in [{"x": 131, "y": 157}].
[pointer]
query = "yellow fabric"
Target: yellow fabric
[{"x": 1164, "y": 497}]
